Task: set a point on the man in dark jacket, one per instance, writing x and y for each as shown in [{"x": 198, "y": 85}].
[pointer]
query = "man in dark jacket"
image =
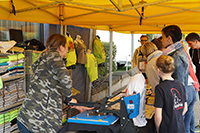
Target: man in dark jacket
[{"x": 193, "y": 40}]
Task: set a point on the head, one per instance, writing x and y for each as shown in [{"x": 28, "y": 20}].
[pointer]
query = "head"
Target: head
[
  {"x": 148, "y": 48},
  {"x": 158, "y": 43},
  {"x": 144, "y": 39},
  {"x": 193, "y": 40},
  {"x": 165, "y": 64},
  {"x": 171, "y": 34},
  {"x": 57, "y": 42}
]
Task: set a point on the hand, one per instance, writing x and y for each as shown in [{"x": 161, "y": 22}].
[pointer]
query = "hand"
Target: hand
[{"x": 82, "y": 108}]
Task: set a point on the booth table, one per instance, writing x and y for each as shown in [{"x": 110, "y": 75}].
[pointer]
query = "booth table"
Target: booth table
[{"x": 115, "y": 127}]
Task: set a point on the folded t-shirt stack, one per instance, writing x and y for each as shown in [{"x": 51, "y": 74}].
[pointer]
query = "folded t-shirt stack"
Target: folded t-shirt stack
[
  {"x": 11, "y": 66},
  {"x": 6, "y": 123}
]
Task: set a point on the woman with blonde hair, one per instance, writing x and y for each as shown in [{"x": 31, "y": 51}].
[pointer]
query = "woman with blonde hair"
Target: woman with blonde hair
[
  {"x": 150, "y": 50},
  {"x": 170, "y": 99}
]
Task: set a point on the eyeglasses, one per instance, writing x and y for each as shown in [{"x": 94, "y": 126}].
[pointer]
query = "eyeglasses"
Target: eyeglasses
[{"x": 143, "y": 40}]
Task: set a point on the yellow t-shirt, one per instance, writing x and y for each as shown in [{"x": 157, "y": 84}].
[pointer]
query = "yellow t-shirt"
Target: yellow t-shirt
[
  {"x": 92, "y": 67},
  {"x": 71, "y": 54},
  {"x": 98, "y": 51}
]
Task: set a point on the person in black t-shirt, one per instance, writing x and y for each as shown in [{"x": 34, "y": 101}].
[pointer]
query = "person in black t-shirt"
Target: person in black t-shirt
[{"x": 170, "y": 99}]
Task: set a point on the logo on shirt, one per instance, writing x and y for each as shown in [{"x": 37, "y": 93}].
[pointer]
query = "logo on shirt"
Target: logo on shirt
[{"x": 177, "y": 99}]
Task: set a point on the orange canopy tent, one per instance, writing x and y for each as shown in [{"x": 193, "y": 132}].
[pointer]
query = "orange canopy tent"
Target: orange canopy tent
[{"x": 130, "y": 16}]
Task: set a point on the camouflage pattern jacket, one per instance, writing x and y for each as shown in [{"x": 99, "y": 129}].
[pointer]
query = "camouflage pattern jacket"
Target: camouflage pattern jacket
[{"x": 41, "y": 110}]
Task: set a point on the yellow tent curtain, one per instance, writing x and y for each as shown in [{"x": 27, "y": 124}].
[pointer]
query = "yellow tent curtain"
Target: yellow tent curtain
[{"x": 128, "y": 16}]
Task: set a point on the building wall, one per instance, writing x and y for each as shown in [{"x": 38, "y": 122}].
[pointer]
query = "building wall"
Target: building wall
[
  {"x": 83, "y": 32},
  {"x": 79, "y": 73}
]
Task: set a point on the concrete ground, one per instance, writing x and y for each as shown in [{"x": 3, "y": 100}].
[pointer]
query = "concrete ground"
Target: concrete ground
[{"x": 197, "y": 112}]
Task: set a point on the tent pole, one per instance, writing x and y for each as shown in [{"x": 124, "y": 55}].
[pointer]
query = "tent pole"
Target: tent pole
[
  {"x": 88, "y": 83},
  {"x": 91, "y": 38},
  {"x": 61, "y": 28},
  {"x": 110, "y": 62},
  {"x": 132, "y": 47},
  {"x": 61, "y": 17},
  {"x": 65, "y": 32}
]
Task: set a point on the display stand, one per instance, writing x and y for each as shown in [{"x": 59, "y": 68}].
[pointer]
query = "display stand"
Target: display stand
[{"x": 12, "y": 94}]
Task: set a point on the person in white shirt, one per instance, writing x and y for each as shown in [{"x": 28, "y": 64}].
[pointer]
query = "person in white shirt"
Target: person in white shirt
[{"x": 137, "y": 84}]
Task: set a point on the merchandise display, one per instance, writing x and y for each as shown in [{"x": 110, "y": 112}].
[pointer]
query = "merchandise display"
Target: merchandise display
[
  {"x": 91, "y": 66},
  {"x": 98, "y": 50},
  {"x": 12, "y": 92},
  {"x": 81, "y": 50},
  {"x": 71, "y": 54},
  {"x": 35, "y": 55}
]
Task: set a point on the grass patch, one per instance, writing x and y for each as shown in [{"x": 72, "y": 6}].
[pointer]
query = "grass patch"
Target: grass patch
[{"x": 123, "y": 68}]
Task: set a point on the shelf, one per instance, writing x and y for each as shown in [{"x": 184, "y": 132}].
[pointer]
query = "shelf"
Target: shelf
[
  {"x": 11, "y": 78},
  {"x": 10, "y": 107}
]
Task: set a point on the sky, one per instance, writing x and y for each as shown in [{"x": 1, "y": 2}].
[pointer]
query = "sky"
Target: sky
[{"x": 123, "y": 43}]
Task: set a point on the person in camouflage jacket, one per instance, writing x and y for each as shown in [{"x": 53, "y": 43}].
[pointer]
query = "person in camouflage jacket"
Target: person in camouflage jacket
[{"x": 41, "y": 110}]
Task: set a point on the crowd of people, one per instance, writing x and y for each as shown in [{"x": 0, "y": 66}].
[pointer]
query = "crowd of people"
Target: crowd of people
[
  {"x": 169, "y": 71},
  {"x": 163, "y": 63}
]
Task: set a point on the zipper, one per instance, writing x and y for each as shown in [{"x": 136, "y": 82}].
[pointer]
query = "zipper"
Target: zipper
[{"x": 47, "y": 100}]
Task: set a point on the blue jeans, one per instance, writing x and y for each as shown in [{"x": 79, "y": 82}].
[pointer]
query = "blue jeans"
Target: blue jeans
[
  {"x": 22, "y": 128},
  {"x": 191, "y": 95}
]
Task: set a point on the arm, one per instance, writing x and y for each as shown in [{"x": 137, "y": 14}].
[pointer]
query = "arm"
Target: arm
[
  {"x": 181, "y": 67},
  {"x": 59, "y": 69},
  {"x": 185, "y": 108},
  {"x": 158, "y": 118},
  {"x": 159, "y": 104},
  {"x": 80, "y": 108}
]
